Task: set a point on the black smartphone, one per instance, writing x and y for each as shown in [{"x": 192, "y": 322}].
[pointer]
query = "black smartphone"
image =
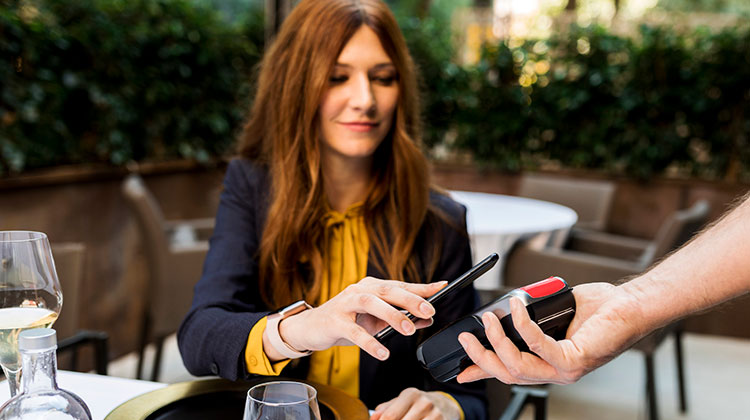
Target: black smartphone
[{"x": 462, "y": 281}]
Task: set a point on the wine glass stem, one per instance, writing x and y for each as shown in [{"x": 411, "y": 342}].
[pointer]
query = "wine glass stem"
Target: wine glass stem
[{"x": 14, "y": 380}]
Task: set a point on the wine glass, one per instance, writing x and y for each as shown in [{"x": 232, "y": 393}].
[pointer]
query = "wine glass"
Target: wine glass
[
  {"x": 282, "y": 400},
  {"x": 30, "y": 294}
]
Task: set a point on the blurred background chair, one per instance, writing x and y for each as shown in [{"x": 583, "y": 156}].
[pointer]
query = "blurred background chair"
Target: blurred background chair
[
  {"x": 590, "y": 199},
  {"x": 526, "y": 396},
  {"x": 597, "y": 257},
  {"x": 69, "y": 263},
  {"x": 174, "y": 252}
]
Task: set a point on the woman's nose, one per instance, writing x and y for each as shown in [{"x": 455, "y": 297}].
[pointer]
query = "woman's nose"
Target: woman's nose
[{"x": 362, "y": 95}]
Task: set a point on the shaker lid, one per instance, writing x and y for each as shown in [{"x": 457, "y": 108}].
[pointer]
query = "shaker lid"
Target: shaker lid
[{"x": 37, "y": 339}]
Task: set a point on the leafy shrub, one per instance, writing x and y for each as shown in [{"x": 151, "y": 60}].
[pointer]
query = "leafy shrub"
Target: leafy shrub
[
  {"x": 116, "y": 80},
  {"x": 666, "y": 102},
  {"x": 496, "y": 106},
  {"x": 113, "y": 81},
  {"x": 430, "y": 42}
]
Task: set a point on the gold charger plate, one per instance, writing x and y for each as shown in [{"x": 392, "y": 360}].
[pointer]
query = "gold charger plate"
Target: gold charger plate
[{"x": 221, "y": 399}]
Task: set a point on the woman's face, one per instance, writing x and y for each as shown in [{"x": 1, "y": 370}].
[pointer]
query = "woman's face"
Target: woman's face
[{"x": 356, "y": 111}]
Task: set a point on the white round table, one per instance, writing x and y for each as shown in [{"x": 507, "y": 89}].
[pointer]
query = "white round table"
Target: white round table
[{"x": 495, "y": 222}]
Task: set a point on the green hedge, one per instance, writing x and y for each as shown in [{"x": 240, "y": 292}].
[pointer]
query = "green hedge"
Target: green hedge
[
  {"x": 591, "y": 99},
  {"x": 114, "y": 80},
  {"x": 119, "y": 80}
]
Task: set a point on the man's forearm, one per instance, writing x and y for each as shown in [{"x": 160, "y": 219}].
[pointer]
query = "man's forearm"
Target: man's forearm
[{"x": 712, "y": 268}]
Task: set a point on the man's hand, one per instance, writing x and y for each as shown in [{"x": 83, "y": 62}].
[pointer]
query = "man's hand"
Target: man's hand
[{"x": 602, "y": 325}]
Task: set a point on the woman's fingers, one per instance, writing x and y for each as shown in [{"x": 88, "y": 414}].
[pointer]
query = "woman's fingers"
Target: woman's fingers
[
  {"x": 378, "y": 308},
  {"x": 379, "y": 299},
  {"x": 380, "y": 409},
  {"x": 409, "y": 296},
  {"x": 362, "y": 339},
  {"x": 422, "y": 289},
  {"x": 357, "y": 313},
  {"x": 414, "y": 404},
  {"x": 422, "y": 407},
  {"x": 423, "y": 323},
  {"x": 362, "y": 309},
  {"x": 397, "y": 407}
]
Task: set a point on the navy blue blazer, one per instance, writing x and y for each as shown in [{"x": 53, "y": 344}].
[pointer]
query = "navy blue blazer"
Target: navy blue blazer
[{"x": 227, "y": 304}]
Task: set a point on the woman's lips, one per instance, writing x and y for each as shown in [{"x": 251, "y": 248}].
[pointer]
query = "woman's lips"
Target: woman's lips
[{"x": 360, "y": 126}]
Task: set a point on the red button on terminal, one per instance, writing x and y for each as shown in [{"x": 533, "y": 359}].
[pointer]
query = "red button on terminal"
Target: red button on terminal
[{"x": 545, "y": 287}]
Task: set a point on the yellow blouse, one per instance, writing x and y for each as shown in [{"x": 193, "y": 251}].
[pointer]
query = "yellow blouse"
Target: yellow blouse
[{"x": 348, "y": 246}]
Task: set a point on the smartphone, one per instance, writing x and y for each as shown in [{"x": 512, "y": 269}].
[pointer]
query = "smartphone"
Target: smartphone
[{"x": 462, "y": 281}]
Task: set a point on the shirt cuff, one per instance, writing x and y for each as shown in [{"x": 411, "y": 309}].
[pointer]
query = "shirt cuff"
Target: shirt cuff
[
  {"x": 256, "y": 360},
  {"x": 460, "y": 410}
]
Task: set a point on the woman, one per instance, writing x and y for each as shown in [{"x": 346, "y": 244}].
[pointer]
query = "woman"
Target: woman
[{"x": 331, "y": 195}]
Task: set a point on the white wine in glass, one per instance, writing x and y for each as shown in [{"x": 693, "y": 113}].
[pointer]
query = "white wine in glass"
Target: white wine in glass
[{"x": 30, "y": 294}]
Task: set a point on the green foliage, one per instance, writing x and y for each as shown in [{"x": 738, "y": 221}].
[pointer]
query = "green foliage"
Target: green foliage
[
  {"x": 493, "y": 85},
  {"x": 579, "y": 109},
  {"x": 114, "y": 80},
  {"x": 117, "y": 80},
  {"x": 430, "y": 42},
  {"x": 591, "y": 99},
  {"x": 714, "y": 6}
]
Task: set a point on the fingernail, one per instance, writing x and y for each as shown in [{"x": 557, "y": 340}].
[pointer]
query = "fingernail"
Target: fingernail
[
  {"x": 461, "y": 339},
  {"x": 382, "y": 354},
  {"x": 426, "y": 309},
  {"x": 407, "y": 326}
]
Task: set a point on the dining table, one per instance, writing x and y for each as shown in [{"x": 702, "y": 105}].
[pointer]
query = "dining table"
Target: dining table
[
  {"x": 495, "y": 222},
  {"x": 115, "y": 398},
  {"x": 101, "y": 393}
]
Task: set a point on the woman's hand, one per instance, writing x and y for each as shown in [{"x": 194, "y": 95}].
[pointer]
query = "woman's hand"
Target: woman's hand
[
  {"x": 604, "y": 324},
  {"x": 413, "y": 404},
  {"x": 358, "y": 312}
]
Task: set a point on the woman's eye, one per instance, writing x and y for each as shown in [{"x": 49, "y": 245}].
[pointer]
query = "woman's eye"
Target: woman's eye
[
  {"x": 338, "y": 79},
  {"x": 385, "y": 80}
]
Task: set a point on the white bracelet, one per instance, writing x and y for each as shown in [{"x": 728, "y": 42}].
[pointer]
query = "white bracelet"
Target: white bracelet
[{"x": 272, "y": 330}]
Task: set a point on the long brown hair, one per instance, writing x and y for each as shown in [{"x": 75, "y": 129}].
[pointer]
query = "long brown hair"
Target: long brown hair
[{"x": 282, "y": 134}]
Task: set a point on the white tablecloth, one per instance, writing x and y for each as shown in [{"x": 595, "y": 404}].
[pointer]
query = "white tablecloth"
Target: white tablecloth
[
  {"x": 495, "y": 222},
  {"x": 101, "y": 393}
]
